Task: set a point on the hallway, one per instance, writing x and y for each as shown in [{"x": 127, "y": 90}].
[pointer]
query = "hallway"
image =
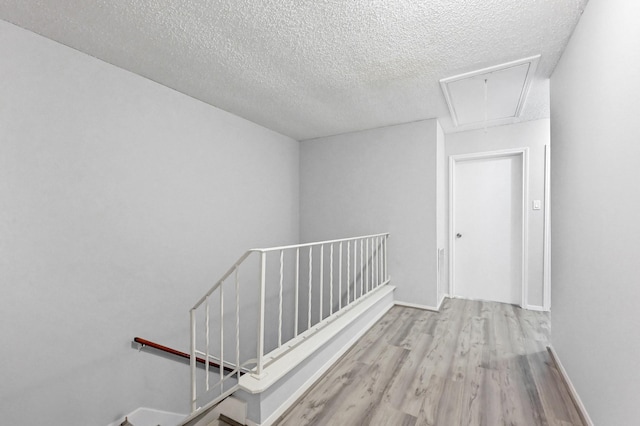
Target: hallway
[{"x": 474, "y": 363}]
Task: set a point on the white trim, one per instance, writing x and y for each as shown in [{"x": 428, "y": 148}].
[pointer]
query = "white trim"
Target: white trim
[
  {"x": 318, "y": 374},
  {"x": 546, "y": 245},
  {"x": 582, "y": 411},
  {"x": 444, "y": 84},
  {"x": 440, "y": 294},
  {"x": 452, "y": 210},
  {"x": 318, "y": 243},
  {"x": 524, "y": 155},
  {"x": 438, "y": 272},
  {"x": 525, "y": 227},
  {"x": 417, "y": 306},
  {"x": 160, "y": 416},
  {"x": 441, "y": 301},
  {"x": 536, "y": 308}
]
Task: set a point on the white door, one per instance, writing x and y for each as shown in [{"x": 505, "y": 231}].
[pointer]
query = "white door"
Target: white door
[{"x": 487, "y": 229}]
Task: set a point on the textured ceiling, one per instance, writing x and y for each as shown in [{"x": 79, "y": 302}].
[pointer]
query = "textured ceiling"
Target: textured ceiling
[{"x": 311, "y": 68}]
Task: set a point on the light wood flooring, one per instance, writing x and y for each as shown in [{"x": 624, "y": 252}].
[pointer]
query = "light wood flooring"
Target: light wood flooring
[{"x": 473, "y": 363}]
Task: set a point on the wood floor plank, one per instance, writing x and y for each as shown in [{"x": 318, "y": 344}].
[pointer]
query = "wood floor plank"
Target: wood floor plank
[
  {"x": 414, "y": 330},
  {"x": 405, "y": 389},
  {"x": 451, "y": 405},
  {"x": 473, "y": 412},
  {"x": 385, "y": 414},
  {"x": 435, "y": 367},
  {"x": 366, "y": 395},
  {"x": 473, "y": 363},
  {"x": 553, "y": 394},
  {"x": 373, "y": 343},
  {"x": 317, "y": 407}
]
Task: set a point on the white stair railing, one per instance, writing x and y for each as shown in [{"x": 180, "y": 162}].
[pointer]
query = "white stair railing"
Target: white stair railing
[{"x": 246, "y": 324}]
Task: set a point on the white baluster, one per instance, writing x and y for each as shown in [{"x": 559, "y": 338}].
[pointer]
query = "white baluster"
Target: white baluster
[
  {"x": 378, "y": 254},
  {"x": 297, "y": 291},
  {"x": 331, "y": 281},
  {"x": 340, "y": 277},
  {"x": 382, "y": 259},
  {"x": 348, "y": 275},
  {"x": 386, "y": 258},
  {"x": 321, "y": 279},
  {"x": 377, "y": 261},
  {"x": 374, "y": 262},
  {"x": 280, "y": 308},
  {"x": 361, "y": 268},
  {"x": 263, "y": 277},
  {"x": 221, "y": 339},
  {"x": 310, "y": 281},
  {"x": 192, "y": 361},
  {"x": 355, "y": 269},
  {"x": 206, "y": 337},
  {"x": 366, "y": 265},
  {"x": 238, "y": 321}
]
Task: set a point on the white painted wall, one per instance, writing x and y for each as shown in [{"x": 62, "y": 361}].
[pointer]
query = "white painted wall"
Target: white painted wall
[
  {"x": 379, "y": 180},
  {"x": 121, "y": 202},
  {"x": 534, "y": 135},
  {"x": 595, "y": 210}
]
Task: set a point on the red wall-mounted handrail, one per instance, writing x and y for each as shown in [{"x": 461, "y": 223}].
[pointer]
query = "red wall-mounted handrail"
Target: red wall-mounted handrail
[{"x": 145, "y": 342}]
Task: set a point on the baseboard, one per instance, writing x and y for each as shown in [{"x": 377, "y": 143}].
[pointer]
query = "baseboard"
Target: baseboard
[
  {"x": 582, "y": 411},
  {"x": 417, "y": 306},
  {"x": 144, "y": 415},
  {"x": 444, "y": 296},
  {"x": 536, "y": 308},
  {"x": 313, "y": 379}
]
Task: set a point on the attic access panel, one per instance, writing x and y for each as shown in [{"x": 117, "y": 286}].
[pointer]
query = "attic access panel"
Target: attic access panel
[{"x": 494, "y": 95}]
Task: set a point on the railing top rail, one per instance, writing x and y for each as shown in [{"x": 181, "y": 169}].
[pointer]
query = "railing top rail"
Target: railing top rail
[
  {"x": 265, "y": 250},
  {"x": 224, "y": 277}
]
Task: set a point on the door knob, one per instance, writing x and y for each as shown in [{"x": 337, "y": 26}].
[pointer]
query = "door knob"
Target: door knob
[{"x": 458, "y": 235}]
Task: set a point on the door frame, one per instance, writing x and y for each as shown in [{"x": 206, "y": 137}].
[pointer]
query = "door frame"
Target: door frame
[{"x": 523, "y": 153}]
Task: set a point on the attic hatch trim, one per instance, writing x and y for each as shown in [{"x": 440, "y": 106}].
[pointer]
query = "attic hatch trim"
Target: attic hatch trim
[{"x": 532, "y": 61}]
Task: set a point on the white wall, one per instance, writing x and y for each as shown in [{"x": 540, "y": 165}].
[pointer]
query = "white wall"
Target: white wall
[
  {"x": 379, "y": 180},
  {"x": 534, "y": 135},
  {"x": 595, "y": 210},
  {"x": 121, "y": 202}
]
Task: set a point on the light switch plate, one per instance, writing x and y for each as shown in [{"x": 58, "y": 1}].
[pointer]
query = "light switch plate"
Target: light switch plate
[{"x": 537, "y": 204}]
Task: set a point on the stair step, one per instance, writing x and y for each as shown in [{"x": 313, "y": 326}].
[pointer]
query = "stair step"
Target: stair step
[
  {"x": 218, "y": 422},
  {"x": 228, "y": 421}
]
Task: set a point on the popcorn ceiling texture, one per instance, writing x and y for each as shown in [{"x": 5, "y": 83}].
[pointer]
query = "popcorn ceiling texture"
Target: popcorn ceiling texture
[{"x": 311, "y": 68}]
